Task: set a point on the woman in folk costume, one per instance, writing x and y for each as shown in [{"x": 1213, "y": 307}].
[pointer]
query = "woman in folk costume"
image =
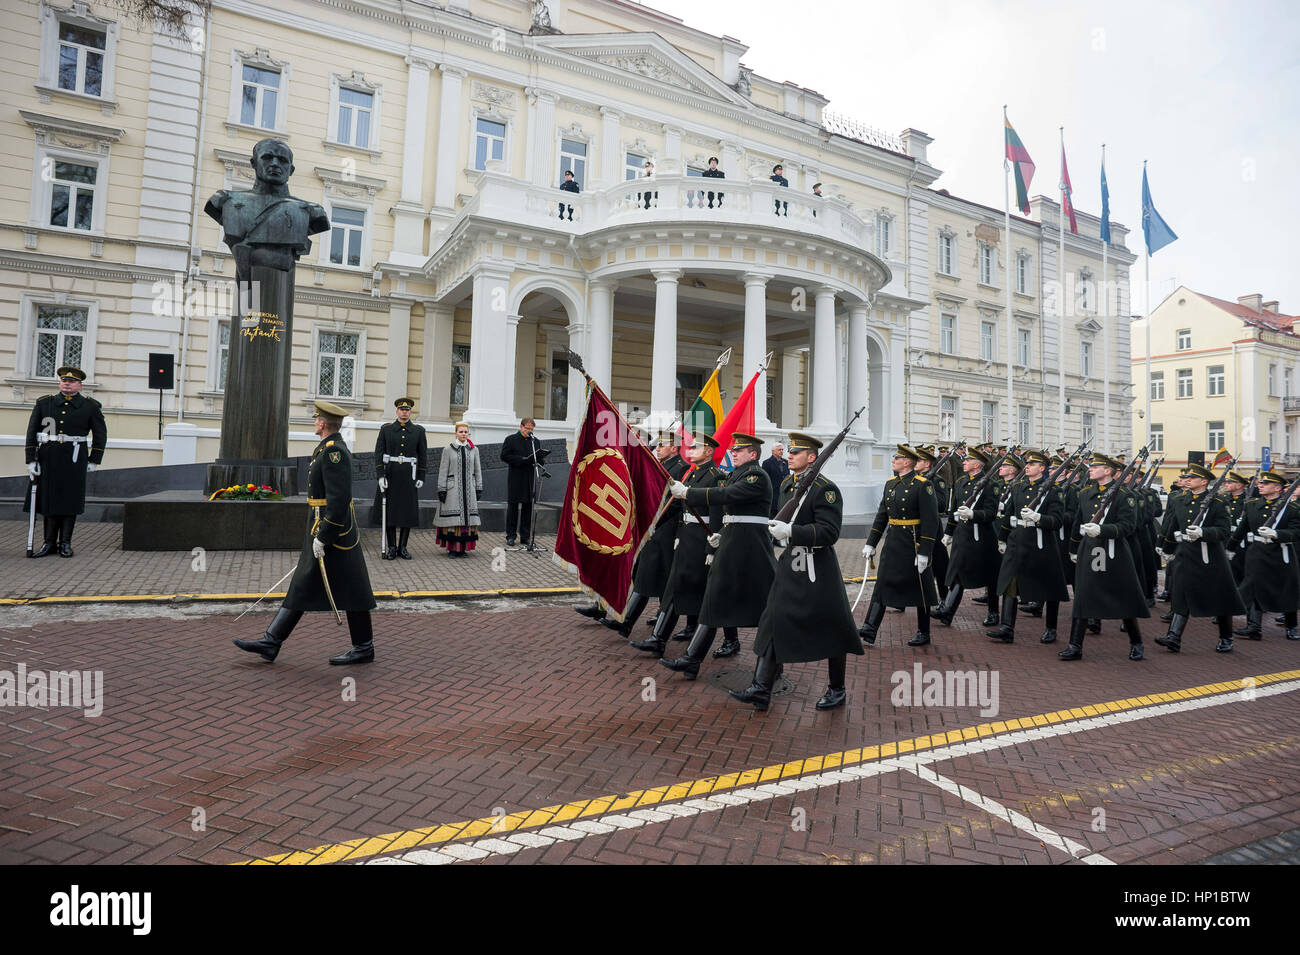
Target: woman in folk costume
[{"x": 460, "y": 482}]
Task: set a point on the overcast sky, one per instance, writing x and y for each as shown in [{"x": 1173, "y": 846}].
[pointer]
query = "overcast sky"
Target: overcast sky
[{"x": 1207, "y": 92}]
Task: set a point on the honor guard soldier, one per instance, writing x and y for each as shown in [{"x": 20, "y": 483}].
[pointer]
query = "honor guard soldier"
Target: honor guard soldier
[
  {"x": 743, "y": 566},
  {"x": 973, "y": 563},
  {"x": 1271, "y": 583},
  {"x": 808, "y": 615},
  {"x": 1234, "y": 499},
  {"x": 1106, "y": 585},
  {"x": 688, "y": 574},
  {"x": 401, "y": 455},
  {"x": 650, "y": 572},
  {"x": 1068, "y": 494},
  {"x": 1031, "y": 567},
  {"x": 929, "y": 467},
  {"x": 1178, "y": 492},
  {"x": 65, "y": 440},
  {"x": 331, "y": 573},
  {"x": 1204, "y": 586},
  {"x": 903, "y": 578}
]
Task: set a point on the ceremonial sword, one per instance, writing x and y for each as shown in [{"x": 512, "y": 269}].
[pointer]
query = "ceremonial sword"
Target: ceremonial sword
[
  {"x": 31, "y": 520},
  {"x": 269, "y": 592}
]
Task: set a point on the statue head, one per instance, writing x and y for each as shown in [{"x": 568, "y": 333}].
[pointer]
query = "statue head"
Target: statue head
[{"x": 272, "y": 162}]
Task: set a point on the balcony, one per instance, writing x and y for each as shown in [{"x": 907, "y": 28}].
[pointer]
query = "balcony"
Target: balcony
[
  {"x": 1288, "y": 459},
  {"x": 1291, "y": 405}
]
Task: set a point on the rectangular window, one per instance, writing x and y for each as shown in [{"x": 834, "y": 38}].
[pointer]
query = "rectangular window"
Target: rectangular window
[
  {"x": 771, "y": 398},
  {"x": 558, "y": 408},
  {"x": 948, "y": 334},
  {"x": 1024, "y": 342},
  {"x": 355, "y": 110},
  {"x": 1157, "y": 385},
  {"x": 1272, "y": 434},
  {"x": 1215, "y": 380},
  {"x": 988, "y": 338},
  {"x": 72, "y": 195},
  {"x": 489, "y": 142},
  {"x": 81, "y": 59},
  {"x": 223, "y": 354},
  {"x": 338, "y": 365},
  {"x": 1022, "y": 274},
  {"x": 883, "y": 229},
  {"x": 1158, "y": 436},
  {"x": 1184, "y": 339},
  {"x": 689, "y": 384},
  {"x": 1184, "y": 382},
  {"x": 60, "y": 338},
  {"x": 459, "y": 375},
  {"x": 1290, "y": 439},
  {"x": 945, "y": 254},
  {"x": 986, "y": 257},
  {"x": 633, "y": 165},
  {"x": 573, "y": 158},
  {"x": 261, "y": 88},
  {"x": 947, "y": 418},
  {"x": 1089, "y": 426},
  {"x": 1026, "y": 424},
  {"x": 1272, "y": 381},
  {"x": 1286, "y": 382},
  {"x": 988, "y": 420},
  {"x": 1085, "y": 359},
  {"x": 347, "y": 226},
  {"x": 1215, "y": 434}
]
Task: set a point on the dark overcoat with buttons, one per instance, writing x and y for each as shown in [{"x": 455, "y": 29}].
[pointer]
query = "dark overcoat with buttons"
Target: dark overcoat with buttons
[
  {"x": 399, "y": 440},
  {"x": 1236, "y": 505},
  {"x": 1270, "y": 567},
  {"x": 940, "y": 558},
  {"x": 1106, "y": 583},
  {"x": 61, "y": 485},
  {"x": 688, "y": 574},
  {"x": 1031, "y": 567},
  {"x": 334, "y": 521},
  {"x": 808, "y": 615},
  {"x": 650, "y": 575},
  {"x": 743, "y": 567},
  {"x": 909, "y": 510},
  {"x": 1205, "y": 584},
  {"x": 973, "y": 561}
]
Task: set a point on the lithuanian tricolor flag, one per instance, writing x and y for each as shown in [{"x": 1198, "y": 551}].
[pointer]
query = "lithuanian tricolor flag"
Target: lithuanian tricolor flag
[
  {"x": 1223, "y": 457},
  {"x": 706, "y": 413},
  {"x": 1022, "y": 165}
]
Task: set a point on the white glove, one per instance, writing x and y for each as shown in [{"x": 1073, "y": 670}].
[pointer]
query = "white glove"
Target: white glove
[
  {"x": 780, "y": 530},
  {"x": 1091, "y": 530},
  {"x": 715, "y": 540},
  {"x": 867, "y": 551},
  {"x": 922, "y": 562},
  {"x": 677, "y": 489},
  {"x": 91, "y": 467},
  {"x": 947, "y": 540},
  {"x": 1074, "y": 557},
  {"x": 33, "y": 470},
  {"x": 1193, "y": 532},
  {"x": 1002, "y": 547},
  {"x": 419, "y": 484},
  {"x": 317, "y": 548},
  {"x": 383, "y": 484},
  {"x": 1030, "y": 517},
  {"x": 964, "y": 513},
  {"x": 1266, "y": 533}
]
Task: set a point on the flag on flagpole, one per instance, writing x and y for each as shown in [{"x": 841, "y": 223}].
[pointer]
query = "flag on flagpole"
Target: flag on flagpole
[
  {"x": 1157, "y": 231},
  {"x": 739, "y": 418},
  {"x": 1067, "y": 201},
  {"x": 1105, "y": 200},
  {"x": 706, "y": 411},
  {"x": 1023, "y": 166},
  {"x": 1223, "y": 457}
]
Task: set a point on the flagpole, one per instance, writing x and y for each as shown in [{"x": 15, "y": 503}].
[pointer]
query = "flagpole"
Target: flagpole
[
  {"x": 1105, "y": 326},
  {"x": 1060, "y": 299},
  {"x": 1006, "y": 193},
  {"x": 1146, "y": 294}
]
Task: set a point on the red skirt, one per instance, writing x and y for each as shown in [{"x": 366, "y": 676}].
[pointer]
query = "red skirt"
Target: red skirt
[{"x": 457, "y": 539}]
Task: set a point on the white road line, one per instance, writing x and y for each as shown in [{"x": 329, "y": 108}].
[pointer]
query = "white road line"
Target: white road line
[
  {"x": 914, "y": 763},
  {"x": 1022, "y": 822}
]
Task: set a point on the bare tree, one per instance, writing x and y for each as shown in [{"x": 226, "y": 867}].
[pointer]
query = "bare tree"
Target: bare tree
[{"x": 170, "y": 14}]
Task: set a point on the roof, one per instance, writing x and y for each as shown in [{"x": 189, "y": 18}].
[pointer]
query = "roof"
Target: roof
[{"x": 1267, "y": 320}]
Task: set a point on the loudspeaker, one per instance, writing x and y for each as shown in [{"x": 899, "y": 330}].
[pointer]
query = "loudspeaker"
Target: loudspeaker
[
  {"x": 162, "y": 371},
  {"x": 1196, "y": 457}
]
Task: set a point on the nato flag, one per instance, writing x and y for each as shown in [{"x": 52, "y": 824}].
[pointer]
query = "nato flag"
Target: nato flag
[
  {"x": 1105, "y": 205},
  {"x": 1157, "y": 231}
]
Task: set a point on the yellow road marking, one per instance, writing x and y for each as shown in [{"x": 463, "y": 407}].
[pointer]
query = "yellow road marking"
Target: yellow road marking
[{"x": 375, "y": 845}]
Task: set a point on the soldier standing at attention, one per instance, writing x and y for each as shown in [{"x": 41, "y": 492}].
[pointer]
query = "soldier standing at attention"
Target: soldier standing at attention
[
  {"x": 401, "y": 454},
  {"x": 1270, "y": 583},
  {"x": 929, "y": 467},
  {"x": 331, "y": 569},
  {"x": 713, "y": 172},
  {"x": 973, "y": 563},
  {"x": 903, "y": 578},
  {"x": 65, "y": 440},
  {"x": 1234, "y": 499}
]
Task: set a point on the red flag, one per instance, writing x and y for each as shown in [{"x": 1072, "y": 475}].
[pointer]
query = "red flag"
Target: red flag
[
  {"x": 1067, "y": 201},
  {"x": 615, "y": 492},
  {"x": 739, "y": 418}
]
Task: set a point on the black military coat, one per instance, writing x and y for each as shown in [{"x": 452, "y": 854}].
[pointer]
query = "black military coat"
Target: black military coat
[
  {"x": 688, "y": 573},
  {"x": 1106, "y": 583},
  {"x": 908, "y": 509},
  {"x": 650, "y": 575},
  {"x": 1171, "y": 565},
  {"x": 939, "y": 557},
  {"x": 399, "y": 440},
  {"x": 1069, "y": 497},
  {"x": 334, "y": 521},
  {"x": 1031, "y": 567},
  {"x": 517, "y": 452},
  {"x": 807, "y": 615},
  {"x": 1236, "y": 506},
  {"x": 1205, "y": 584},
  {"x": 973, "y": 561},
  {"x": 743, "y": 567},
  {"x": 1270, "y": 578},
  {"x": 61, "y": 486}
]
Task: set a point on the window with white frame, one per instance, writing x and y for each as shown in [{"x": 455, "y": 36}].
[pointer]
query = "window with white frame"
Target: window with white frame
[
  {"x": 948, "y": 418},
  {"x": 1085, "y": 290},
  {"x": 1215, "y": 433},
  {"x": 1022, "y": 274},
  {"x": 78, "y": 51},
  {"x": 1286, "y": 382},
  {"x": 1184, "y": 339},
  {"x": 459, "y": 376},
  {"x": 81, "y": 59},
  {"x": 356, "y": 108},
  {"x": 223, "y": 354},
  {"x": 884, "y": 234},
  {"x": 1157, "y": 439},
  {"x": 633, "y": 165},
  {"x": 1184, "y": 382},
  {"x": 947, "y": 249},
  {"x": 259, "y": 96},
  {"x": 336, "y": 367},
  {"x": 69, "y": 188},
  {"x": 988, "y": 340},
  {"x": 1025, "y": 431},
  {"x": 1085, "y": 358},
  {"x": 347, "y": 234},
  {"x": 1272, "y": 433},
  {"x": 1089, "y": 426},
  {"x": 1157, "y": 385},
  {"x": 60, "y": 338},
  {"x": 573, "y": 158},
  {"x": 987, "y": 263},
  {"x": 988, "y": 420},
  {"x": 1272, "y": 381},
  {"x": 1215, "y": 380},
  {"x": 1024, "y": 346},
  {"x": 771, "y": 397},
  {"x": 72, "y": 194},
  {"x": 948, "y": 334},
  {"x": 1290, "y": 438},
  {"x": 489, "y": 141}
]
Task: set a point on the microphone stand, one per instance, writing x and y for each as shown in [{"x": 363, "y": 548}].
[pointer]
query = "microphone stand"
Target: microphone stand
[{"x": 539, "y": 472}]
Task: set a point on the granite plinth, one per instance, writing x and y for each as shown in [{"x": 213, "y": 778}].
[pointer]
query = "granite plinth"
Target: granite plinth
[
  {"x": 214, "y": 525},
  {"x": 281, "y": 475}
]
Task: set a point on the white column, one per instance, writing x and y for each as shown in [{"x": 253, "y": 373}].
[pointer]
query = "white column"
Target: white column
[
  {"x": 540, "y": 138},
  {"x": 611, "y": 147},
  {"x": 791, "y": 359},
  {"x": 449, "y": 130},
  {"x": 600, "y": 319},
  {"x": 823, "y": 417},
  {"x": 409, "y": 211},
  {"x": 859, "y": 372},
  {"x": 399, "y": 350},
  {"x": 731, "y": 162},
  {"x": 525, "y": 367},
  {"x": 577, "y": 330},
  {"x": 491, "y": 374},
  {"x": 435, "y": 383},
  {"x": 897, "y": 355},
  {"x": 756, "y": 342},
  {"x": 673, "y": 149},
  {"x": 663, "y": 367},
  {"x": 511, "y": 362}
]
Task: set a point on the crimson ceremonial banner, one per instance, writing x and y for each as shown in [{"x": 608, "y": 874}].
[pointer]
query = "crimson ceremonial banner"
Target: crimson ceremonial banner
[{"x": 616, "y": 490}]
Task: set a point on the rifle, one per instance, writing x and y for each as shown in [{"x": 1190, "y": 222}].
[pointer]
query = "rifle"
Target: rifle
[
  {"x": 956, "y": 453},
  {"x": 1214, "y": 492},
  {"x": 1285, "y": 498},
  {"x": 1051, "y": 477},
  {"x": 1245, "y": 498},
  {"x": 1108, "y": 498},
  {"x": 978, "y": 487},
  {"x": 790, "y": 509},
  {"x": 1006, "y": 493},
  {"x": 1151, "y": 473}
]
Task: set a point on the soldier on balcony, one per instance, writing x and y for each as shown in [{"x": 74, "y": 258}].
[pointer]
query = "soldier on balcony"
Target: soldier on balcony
[
  {"x": 713, "y": 172},
  {"x": 778, "y": 177},
  {"x": 569, "y": 185}
]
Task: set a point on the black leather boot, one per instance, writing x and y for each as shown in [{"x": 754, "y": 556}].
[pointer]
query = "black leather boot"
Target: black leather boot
[
  {"x": 730, "y": 644},
  {"x": 402, "y": 552},
  {"x": 688, "y": 631},
  {"x": 269, "y": 646},
  {"x": 1007, "y": 632},
  {"x": 1173, "y": 640},
  {"x": 1094, "y": 624},
  {"x": 1225, "y": 635},
  {"x": 870, "y": 626},
  {"x": 596, "y": 611},
  {"x": 51, "y": 538},
  {"x": 1289, "y": 621},
  {"x": 391, "y": 552},
  {"x": 1032, "y": 608},
  {"x": 1134, "y": 638},
  {"x": 363, "y": 642},
  {"x": 688, "y": 665},
  {"x": 948, "y": 609},
  {"x": 636, "y": 604},
  {"x": 759, "y": 692},
  {"x": 657, "y": 642},
  {"x": 981, "y": 600},
  {"x": 1166, "y": 617},
  {"x": 1075, "y": 649},
  {"x": 67, "y": 522},
  {"x": 835, "y": 694},
  {"x": 1254, "y": 628}
]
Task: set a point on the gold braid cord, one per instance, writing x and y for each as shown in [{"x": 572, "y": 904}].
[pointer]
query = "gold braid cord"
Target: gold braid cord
[{"x": 574, "y": 508}]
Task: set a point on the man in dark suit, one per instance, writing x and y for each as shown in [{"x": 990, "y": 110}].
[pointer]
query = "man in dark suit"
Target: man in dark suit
[
  {"x": 519, "y": 452},
  {"x": 777, "y": 468}
]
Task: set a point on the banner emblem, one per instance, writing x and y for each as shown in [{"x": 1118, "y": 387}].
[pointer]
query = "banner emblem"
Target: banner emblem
[{"x": 604, "y": 505}]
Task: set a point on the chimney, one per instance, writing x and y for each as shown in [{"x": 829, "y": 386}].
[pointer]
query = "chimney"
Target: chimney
[
  {"x": 1270, "y": 307},
  {"x": 914, "y": 143},
  {"x": 1250, "y": 301}
]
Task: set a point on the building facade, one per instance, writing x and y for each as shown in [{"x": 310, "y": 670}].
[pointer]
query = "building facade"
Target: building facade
[
  {"x": 436, "y": 136},
  {"x": 1222, "y": 374}
]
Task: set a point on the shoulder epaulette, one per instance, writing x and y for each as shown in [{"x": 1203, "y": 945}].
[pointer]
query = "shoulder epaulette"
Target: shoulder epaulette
[
  {"x": 921, "y": 478},
  {"x": 329, "y": 444}
]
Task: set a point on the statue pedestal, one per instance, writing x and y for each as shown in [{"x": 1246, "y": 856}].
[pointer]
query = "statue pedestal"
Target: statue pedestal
[{"x": 282, "y": 475}]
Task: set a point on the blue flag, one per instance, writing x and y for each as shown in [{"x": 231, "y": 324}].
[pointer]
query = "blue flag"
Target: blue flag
[
  {"x": 1105, "y": 205},
  {"x": 1157, "y": 231}
]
